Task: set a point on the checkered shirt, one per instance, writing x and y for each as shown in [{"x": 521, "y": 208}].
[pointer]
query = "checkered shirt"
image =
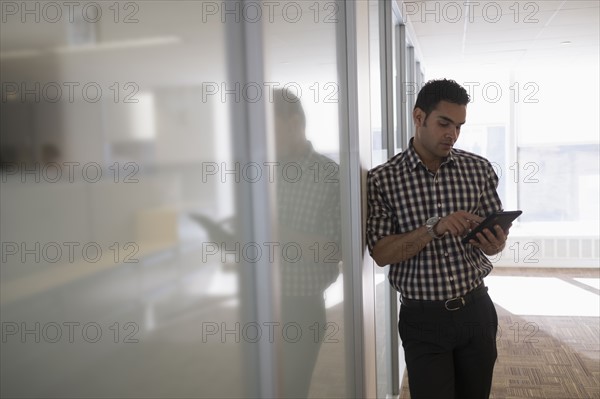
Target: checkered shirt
[
  {"x": 308, "y": 202},
  {"x": 403, "y": 194}
]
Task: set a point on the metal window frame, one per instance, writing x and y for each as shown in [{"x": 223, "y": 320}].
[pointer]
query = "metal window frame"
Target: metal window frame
[
  {"x": 392, "y": 23},
  {"x": 402, "y": 103},
  {"x": 410, "y": 97},
  {"x": 259, "y": 296}
]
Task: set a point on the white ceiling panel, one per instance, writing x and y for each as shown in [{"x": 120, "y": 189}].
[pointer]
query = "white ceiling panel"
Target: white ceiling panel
[{"x": 533, "y": 35}]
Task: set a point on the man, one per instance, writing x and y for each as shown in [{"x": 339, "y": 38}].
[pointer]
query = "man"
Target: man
[
  {"x": 309, "y": 239},
  {"x": 420, "y": 205},
  {"x": 308, "y": 204}
]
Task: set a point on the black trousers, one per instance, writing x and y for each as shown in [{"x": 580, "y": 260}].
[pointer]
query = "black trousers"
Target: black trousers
[{"x": 449, "y": 354}]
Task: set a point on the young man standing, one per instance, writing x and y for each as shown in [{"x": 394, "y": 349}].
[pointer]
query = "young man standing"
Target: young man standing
[{"x": 420, "y": 205}]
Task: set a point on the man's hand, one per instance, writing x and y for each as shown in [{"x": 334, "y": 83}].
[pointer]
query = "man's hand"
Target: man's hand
[
  {"x": 457, "y": 224},
  {"x": 491, "y": 243},
  {"x": 461, "y": 222}
]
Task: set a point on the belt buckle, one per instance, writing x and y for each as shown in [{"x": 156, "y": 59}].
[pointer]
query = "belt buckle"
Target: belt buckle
[{"x": 462, "y": 301}]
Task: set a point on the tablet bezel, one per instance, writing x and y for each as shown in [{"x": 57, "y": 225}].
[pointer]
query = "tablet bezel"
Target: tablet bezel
[{"x": 501, "y": 218}]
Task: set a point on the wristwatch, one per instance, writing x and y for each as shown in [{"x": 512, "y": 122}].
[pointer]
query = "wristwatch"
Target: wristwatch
[{"x": 430, "y": 224}]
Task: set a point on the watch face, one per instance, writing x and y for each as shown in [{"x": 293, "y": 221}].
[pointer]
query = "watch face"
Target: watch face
[{"x": 432, "y": 221}]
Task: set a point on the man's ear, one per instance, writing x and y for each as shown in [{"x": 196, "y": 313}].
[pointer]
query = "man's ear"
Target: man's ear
[{"x": 419, "y": 117}]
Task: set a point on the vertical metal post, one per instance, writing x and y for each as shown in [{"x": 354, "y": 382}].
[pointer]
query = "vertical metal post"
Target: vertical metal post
[
  {"x": 350, "y": 175},
  {"x": 419, "y": 76},
  {"x": 387, "y": 30},
  {"x": 387, "y": 75},
  {"x": 403, "y": 122},
  {"x": 255, "y": 204},
  {"x": 410, "y": 98}
]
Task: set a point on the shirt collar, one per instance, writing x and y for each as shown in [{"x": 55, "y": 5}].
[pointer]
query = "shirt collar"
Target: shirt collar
[
  {"x": 413, "y": 160},
  {"x": 302, "y": 158},
  {"x": 307, "y": 154}
]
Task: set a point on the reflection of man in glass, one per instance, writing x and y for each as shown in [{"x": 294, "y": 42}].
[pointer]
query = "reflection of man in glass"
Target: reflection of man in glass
[{"x": 308, "y": 202}]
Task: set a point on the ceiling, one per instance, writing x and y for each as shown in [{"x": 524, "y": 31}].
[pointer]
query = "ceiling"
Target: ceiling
[
  {"x": 465, "y": 34},
  {"x": 504, "y": 34}
]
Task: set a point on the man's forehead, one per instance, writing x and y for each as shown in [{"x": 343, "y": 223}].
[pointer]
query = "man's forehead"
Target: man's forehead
[{"x": 450, "y": 111}]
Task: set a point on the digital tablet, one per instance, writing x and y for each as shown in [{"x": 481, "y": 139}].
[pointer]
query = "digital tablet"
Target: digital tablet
[{"x": 502, "y": 219}]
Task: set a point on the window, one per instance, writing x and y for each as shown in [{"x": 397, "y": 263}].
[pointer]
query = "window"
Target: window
[{"x": 557, "y": 149}]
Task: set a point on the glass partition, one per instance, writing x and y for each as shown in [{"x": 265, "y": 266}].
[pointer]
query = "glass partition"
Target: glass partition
[
  {"x": 126, "y": 263},
  {"x": 303, "y": 56},
  {"x": 118, "y": 275}
]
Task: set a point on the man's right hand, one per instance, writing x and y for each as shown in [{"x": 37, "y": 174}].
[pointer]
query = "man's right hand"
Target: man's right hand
[{"x": 457, "y": 224}]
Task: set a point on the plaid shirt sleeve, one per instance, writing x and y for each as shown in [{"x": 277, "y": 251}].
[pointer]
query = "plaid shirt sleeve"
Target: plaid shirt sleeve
[{"x": 381, "y": 218}]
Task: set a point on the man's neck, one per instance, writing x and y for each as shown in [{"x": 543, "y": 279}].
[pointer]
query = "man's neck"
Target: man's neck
[
  {"x": 431, "y": 163},
  {"x": 299, "y": 152}
]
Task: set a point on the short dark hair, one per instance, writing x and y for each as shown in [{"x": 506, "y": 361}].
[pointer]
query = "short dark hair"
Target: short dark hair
[
  {"x": 437, "y": 90},
  {"x": 287, "y": 104}
]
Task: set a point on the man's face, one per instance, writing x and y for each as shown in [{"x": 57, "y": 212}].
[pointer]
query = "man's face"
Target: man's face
[{"x": 437, "y": 132}]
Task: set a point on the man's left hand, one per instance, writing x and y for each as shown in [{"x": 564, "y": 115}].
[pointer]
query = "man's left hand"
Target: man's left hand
[{"x": 491, "y": 243}]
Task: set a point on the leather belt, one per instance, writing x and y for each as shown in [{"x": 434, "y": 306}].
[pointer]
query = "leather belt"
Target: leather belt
[{"x": 451, "y": 304}]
